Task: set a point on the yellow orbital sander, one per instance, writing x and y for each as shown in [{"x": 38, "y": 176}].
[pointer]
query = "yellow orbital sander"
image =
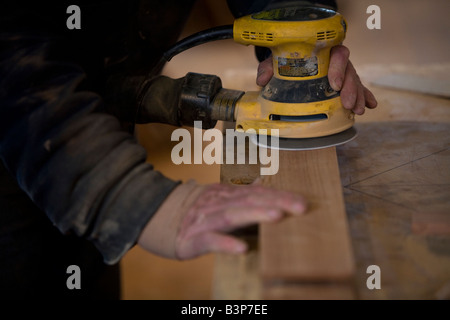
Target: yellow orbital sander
[{"x": 298, "y": 101}]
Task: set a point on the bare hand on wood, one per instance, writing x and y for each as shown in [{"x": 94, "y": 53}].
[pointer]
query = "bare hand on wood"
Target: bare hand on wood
[{"x": 183, "y": 231}]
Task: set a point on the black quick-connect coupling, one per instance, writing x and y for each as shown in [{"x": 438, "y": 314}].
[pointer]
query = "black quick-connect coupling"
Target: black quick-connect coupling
[
  {"x": 203, "y": 99},
  {"x": 195, "y": 97},
  {"x": 178, "y": 102},
  {"x": 197, "y": 94}
]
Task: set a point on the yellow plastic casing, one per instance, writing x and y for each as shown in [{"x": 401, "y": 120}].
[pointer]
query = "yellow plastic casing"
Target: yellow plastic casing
[
  {"x": 253, "y": 112},
  {"x": 298, "y": 45}
]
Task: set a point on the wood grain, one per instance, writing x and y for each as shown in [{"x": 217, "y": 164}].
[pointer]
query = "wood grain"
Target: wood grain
[
  {"x": 316, "y": 246},
  {"x": 309, "y": 291}
]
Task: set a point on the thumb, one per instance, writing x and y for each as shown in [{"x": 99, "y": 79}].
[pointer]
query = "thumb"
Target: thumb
[{"x": 265, "y": 72}]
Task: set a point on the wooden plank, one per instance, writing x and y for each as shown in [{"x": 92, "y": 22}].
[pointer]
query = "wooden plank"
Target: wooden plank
[
  {"x": 316, "y": 246},
  {"x": 309, "y": 291},
  {"x": 237, "y": 277}
]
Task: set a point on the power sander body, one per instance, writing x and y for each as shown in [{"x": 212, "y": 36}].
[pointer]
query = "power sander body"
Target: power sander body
[{"x": 298, "y": 101}]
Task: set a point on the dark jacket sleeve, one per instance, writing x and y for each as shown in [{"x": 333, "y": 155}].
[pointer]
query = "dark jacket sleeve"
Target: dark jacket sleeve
[{"x": 73, "y": 160}]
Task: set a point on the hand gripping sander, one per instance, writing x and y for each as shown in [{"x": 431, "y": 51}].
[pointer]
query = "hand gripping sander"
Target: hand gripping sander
[{"x": 298, "y": 100}]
